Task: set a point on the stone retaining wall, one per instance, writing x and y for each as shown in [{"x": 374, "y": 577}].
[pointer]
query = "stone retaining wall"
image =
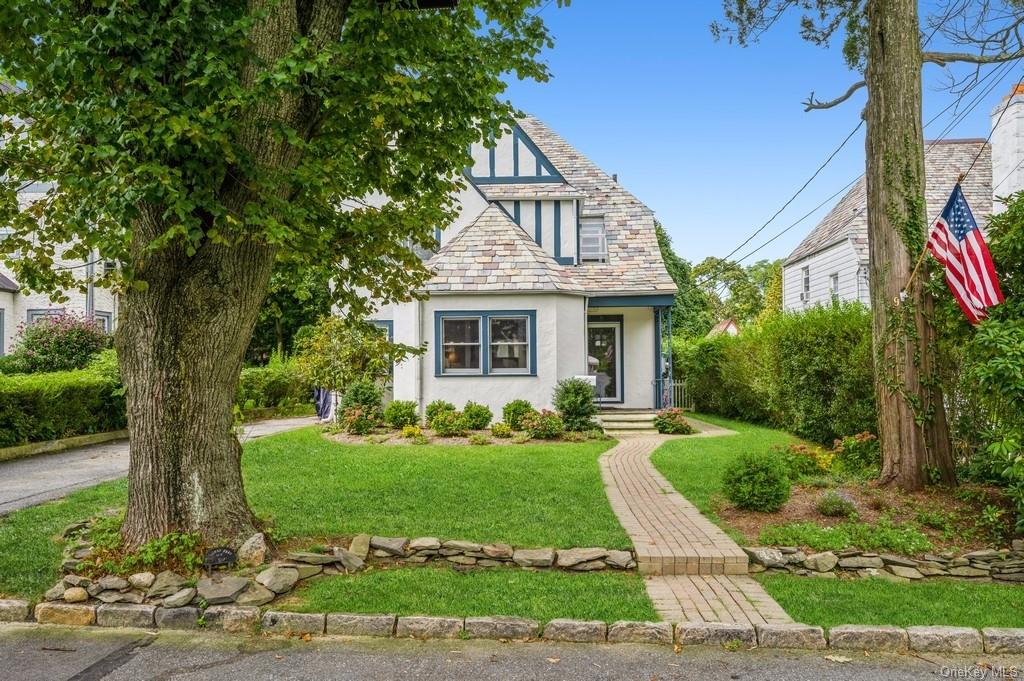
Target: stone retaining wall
[
  {"x": 249, "y": 619},
  {"x": 1004, "y": 566}
]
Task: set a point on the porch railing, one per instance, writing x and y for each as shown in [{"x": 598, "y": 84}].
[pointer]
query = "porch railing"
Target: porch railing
[{"x": 680, "y": 396}]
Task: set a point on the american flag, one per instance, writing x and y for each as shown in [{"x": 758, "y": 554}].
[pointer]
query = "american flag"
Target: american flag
[{"x": 959, "y": 245}]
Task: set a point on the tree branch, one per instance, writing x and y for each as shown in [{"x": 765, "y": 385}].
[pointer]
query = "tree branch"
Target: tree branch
[
  {"x": 811, "y": 103},
  {"x": 943, "y": 58}
]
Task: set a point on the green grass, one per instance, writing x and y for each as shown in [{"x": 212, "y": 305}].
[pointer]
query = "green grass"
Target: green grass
[
  {"x": 694, "y": 466},
  {"x": 525, "y": 495},
  {"x": 542, "y": 596},
  {"x": 828, "y": 602},
  {"x": 30, "y": 549}
]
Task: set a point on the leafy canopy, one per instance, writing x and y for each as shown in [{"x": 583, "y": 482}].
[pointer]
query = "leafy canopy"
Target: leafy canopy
[{"x": 151, "y": 130}]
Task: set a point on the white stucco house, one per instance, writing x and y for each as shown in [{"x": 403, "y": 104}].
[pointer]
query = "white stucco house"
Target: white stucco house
[
  {"x": 19, "y": 306},
  {"x": 831, "y": 263},
  {"x": 552, "y": 270}
]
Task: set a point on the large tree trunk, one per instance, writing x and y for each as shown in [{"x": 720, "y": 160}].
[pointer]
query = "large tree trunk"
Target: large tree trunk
[
  {"x": 911, "y": 417},
  {"x": 181, "y": 345}
]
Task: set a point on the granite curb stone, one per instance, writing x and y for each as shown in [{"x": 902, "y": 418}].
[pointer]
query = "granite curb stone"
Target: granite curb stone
[
  {"x": 715, "y": 633},
  {"x": 360, "y": 625},
  {"x": 294, "y": 622},
  {"x": 795, "y": 635},
  {"x": 428, "y": 627},
  {"x": 868, "y": 637}
]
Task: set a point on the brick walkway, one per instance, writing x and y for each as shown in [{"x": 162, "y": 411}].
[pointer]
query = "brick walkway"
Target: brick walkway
[{"x": 695, "y": 572}]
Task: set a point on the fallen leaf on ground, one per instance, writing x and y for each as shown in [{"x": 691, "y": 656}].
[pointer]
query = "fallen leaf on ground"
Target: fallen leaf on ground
[
  {"x": 554, "y": 660},
  {"x": 837, "y": 658}
]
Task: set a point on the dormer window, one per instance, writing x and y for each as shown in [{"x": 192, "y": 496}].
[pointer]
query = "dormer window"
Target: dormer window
[{"x": 593, "y": 240}]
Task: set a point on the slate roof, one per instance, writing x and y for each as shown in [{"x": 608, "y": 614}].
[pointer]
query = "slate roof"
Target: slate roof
[
  {"x": 944, "y": 160},
  {"x": 634, "y": 260},
  {"x": 530, "y": 192},
  {"x": 493, "y": 253}
]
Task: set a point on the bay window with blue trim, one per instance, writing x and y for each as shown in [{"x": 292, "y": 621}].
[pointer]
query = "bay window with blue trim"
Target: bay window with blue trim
[{"x": 485, "y": 343}]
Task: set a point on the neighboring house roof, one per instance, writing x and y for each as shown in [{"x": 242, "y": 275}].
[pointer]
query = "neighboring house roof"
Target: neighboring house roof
[
  {"x": 493, "y": 253},
  {"x": 7, "y": 284},
  {"x": 634, "y": 259},
  {"x": 530, "y": 191},
  {"x": 944, "y": 160},
  {"x": 725, "y": 326}
]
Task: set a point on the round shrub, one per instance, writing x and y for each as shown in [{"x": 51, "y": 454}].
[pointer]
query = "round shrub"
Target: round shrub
[
  {"x": 501, "y": 430},
  {"x": 835, "y": 505},
  {"x": 357, "y": 421},
  {"x": 479, "y": 439},
  {"x": 401, "y": 413},
  {"x": 411, "y": 432},
  {"x": 365, "y": 394},
  {"x": 574, "y": 400},
  {"x": 757, "y": 481},
  {"x": 544, "y": 425},
  {"x": 59, "y": 343},
  {"x": 450, "y": 424},
  {"x": 478, "y": 416},
  {"x": 671, "y": 422},
  {"x": 435, "y": 408},
  {"x": 514, "y": 411}
]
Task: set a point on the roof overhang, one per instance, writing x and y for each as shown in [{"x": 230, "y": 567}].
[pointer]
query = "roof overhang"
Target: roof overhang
[{"x": 635, "y": 300}]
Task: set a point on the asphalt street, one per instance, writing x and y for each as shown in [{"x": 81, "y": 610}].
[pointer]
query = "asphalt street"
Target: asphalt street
[{"x": 35, "y": 653}]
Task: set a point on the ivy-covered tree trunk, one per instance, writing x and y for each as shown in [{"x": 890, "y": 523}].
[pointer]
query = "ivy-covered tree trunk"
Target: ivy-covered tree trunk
[{"x": 911, "y": 416}]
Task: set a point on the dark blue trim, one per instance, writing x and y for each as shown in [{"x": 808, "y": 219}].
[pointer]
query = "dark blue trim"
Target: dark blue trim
[
  {"x": 542, "y": 161},
  {"x": 538, "y": 221},
  {"x": 515, "y": 153},
  {"x": 385, "y": 324},
  {"x": 2, "y": 333},
  {"x": 509, "y": 179},
  {"x": 618, "y": 319},
  {"x": 515, "y": 213},
  {"x": 565, "y": 260},
  {"x": 490, "y": 157},
  {"x": 656, "y": 300},
  {"x": 657, "y": 358},
  {"x": 558, "y": 230},
  {"x": 579, "y": 209},
  {"x": 485, "y": 340},
  {"x": 504, "y": 210},
  {"x": 437, "y": 236}
]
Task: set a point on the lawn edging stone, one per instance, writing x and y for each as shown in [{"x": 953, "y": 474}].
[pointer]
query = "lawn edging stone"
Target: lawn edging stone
[
  {"x": 280, "y": 622},
  {"x": 715, "y": 633},
  {"x": 340, "y": 624},
  {"x": 502, "y": 628},
  {"x": 576, "y": 631},
  {"x": 132, "y": 615},
  {"x": 1003, "y": 640},
  {"x": 13, "y": 610},
  {"x": 874, "y": 637},
  {"x": 177, "y": 618},
  {"x": 791, "y": 635},
  {"x": 640, "y": 632},
  {"x": 945, "y": 640},
  {"x": 429, "y": 627}
]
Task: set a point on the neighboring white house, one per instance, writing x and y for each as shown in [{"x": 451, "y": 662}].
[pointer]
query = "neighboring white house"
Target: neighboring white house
[
  {"x": 832, "y": 261},
  {"x": 19, "y": 307},
  {"x": 552, "y": 270}
]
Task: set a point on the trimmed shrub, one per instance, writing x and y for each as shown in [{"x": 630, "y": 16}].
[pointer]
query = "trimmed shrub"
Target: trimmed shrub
[
  {"x": 450, "y": 424},
  {"x": 59, "y": 343},
  {"x": 756, "y": 481},
  {"x": 835, "y": 505},
  {"x": 411, "y": 432},
  {"x": 55, "y": 405},
  {"x": 357, "y": 420},
  {"x": 672, "y": 422},
  {"x": 479, "y": 439},
  {"x": 13, "y": 364},
  {"x": 401, "y": 413},
  {"x": 435, "y": 408},
  {"x": 521, "y": 438},
  {"x": 574, "y": 401},
  {"x": 365, "y": 394},
  {"x": 501, "y": 430},
  {"x": 514, "y": 411},
  {"x": 278, "y": 384},
  {"x": 544, "y": 425},
  {"x": 478, "y": 416}
]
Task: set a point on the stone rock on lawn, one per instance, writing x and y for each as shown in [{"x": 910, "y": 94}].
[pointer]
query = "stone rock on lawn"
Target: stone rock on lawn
[
  {"x": 177, "y": 618},
  {"x": 253, "y": 551},
  {"x": 113, "y": 583},
  {"x": 125, "y": 615},
  {"x": 305, "y": 569},
  {"x": 142, "y": 580},
  {"x": 589, "y": 566},
  {"x": 312, "y": 558},
  {"x": 111, "y": 596},
  {"x": 76, "y": 594},
  {"x": 220, "y": 588},
  {"x": 640, "y": 632},
  {"x": 501, "y": 551},
  {"x": 458, "y": 545},
  {"x": 350, "y": 561},
  {"x": 77, "y": 580},
  {"x": 965, "y": 571},
  {"x": 360, "y": 545},
  {"x": 55, "y": 592},
  {"x": 394, "y": 546},
  {"x": 13, "y": 610},
  {"x": 502, "y": 628},
  {"x": 278, "y": 579},
  {"x": 534, "y": 557},
  {"x": 578, "y": 631},
  {"x": 460, "y": 559},
  {"x": 821, "y": 562},
  {"x": 255, "y": 594},
  {"x": 621, "y": 560},
  {"x": 77, "y": 614},
  {"x": 766, "y": 556},
  {"x": 165, "y": 584},
  {"x": 859, "y": 562},
  {"x": 425, "y": 544},
  {"x": 906, "y": 572},
  {"x": 569, "y": 558},
  {"x": 232, "y": 618},
  {"x": 180, "y": 598},
  {"x": 890, "y": 559}
]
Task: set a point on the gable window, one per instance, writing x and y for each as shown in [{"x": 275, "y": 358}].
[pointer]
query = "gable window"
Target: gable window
[
  {"x": 805, "y": 287},
  {"x": 593, "y": 240},
  {"x": 485, "y": 343},
  {"x": 833, "y": 283},
  {"x": 460, "y": 342}
]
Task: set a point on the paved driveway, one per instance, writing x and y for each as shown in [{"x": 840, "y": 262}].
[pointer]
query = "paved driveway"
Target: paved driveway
[{"x": 33, "y": 480}]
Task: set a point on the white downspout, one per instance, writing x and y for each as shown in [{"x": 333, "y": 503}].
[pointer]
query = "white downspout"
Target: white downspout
[{"x": 417, "y": 342}]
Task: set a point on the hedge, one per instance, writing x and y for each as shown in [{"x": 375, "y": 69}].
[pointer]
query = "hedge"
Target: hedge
[
  {"x": 279, "y": 384},
  {"x": 806, "y": 372},
  {"x": 50, "y": 406}
]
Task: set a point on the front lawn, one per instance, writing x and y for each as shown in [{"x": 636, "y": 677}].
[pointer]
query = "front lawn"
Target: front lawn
[
  {"x": 829, "y": 602},
  {"x": 311, "y": 489},
  {"x": 542, "y": 596}
]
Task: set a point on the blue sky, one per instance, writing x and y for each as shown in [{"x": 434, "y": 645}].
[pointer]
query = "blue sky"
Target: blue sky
[{"x": 712, "y": 136}]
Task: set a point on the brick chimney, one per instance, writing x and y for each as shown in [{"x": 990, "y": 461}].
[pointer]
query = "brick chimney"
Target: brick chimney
[{"x": 1008, "y": 146}]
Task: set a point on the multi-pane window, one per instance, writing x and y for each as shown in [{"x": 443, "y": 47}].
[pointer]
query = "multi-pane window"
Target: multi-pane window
[
  {"x": 460, "y": 345},
  {"x": 833, "y": 283},
  {"x": 593, "y": 240},
  {"x": 510, "y": 344},
  {"x": 806, "y": 274},
  {"x": 105, "y": 320}
]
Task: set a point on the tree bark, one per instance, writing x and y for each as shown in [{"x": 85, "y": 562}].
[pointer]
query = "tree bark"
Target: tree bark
[{"x": 912, "y": 423}]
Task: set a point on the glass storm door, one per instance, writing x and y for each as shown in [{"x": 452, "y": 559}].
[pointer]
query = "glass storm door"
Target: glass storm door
[{"x": 604, "y": 359}]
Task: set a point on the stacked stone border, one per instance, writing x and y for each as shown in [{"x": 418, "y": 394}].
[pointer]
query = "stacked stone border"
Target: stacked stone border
[
  {"x": 250, "y": 620},
  {"x": 1004, "y": 566}
]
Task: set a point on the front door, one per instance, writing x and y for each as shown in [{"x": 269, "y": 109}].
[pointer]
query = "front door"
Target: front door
[{"x": 604, "y": 359}]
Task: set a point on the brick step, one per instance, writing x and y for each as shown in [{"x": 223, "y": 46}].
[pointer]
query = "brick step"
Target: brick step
[
  {"x": 691, "y": 564},
  {"x": 632, "y": 431}
]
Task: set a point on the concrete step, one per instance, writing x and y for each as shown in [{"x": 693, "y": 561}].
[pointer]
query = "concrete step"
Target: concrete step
[
  {"x": 632, "y": 431},
  {"x": 627, "y": 425},
  {"x": 617, "y": 418}
]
